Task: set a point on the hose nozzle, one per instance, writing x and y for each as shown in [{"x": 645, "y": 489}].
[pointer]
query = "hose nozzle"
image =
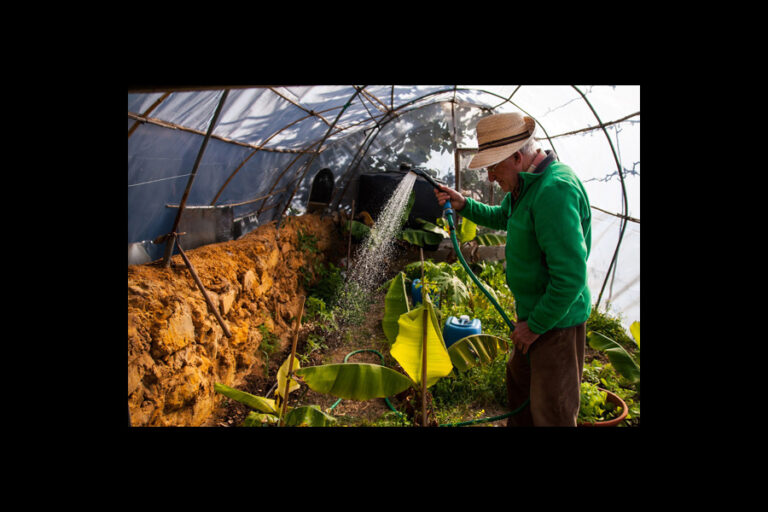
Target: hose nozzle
[
  {"x": 447, "y": 208},
  {"x": 420, "y": 172}
]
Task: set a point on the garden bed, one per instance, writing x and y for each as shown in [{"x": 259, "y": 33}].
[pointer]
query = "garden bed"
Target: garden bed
[{"x": 470, "y": 397}]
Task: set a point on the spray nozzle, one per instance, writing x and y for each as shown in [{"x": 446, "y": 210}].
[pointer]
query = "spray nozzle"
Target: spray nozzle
[{"x": 423, "y": 174}]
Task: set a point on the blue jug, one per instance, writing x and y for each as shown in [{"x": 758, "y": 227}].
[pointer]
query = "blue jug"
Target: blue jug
[
  {"x": 458, "y": 328},
  {"x": 416, "y": 293}
]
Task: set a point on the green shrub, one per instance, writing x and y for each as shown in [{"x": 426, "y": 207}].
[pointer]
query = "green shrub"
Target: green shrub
[{"x": 610, "y": 326}]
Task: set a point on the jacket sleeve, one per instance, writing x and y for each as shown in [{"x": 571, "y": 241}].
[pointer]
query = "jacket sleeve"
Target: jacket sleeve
[
  {"x": 493, "y": 217},
  {"x": 558, "y": 213}
]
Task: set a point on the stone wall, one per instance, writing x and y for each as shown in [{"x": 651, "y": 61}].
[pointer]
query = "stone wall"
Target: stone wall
[{"x": 176, "y": 347}]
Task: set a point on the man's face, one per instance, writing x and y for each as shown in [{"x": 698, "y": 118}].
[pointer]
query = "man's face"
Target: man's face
[{"x": 506, "y": 172}]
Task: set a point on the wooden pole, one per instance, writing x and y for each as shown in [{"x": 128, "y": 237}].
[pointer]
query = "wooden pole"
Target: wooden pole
[
  {"x": 424, "y": 365},
  {"x": 421, "y": 255},
  {"x": 349, "y": 244},
  {"x": 203, "y": 290},
  {"x": 290, "y": 362}
]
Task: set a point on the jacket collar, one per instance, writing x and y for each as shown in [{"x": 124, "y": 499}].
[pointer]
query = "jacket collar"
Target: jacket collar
[{"x": 526, "y": 178}]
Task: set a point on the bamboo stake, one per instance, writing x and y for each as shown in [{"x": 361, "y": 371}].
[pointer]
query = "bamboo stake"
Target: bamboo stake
[
  {"x": 424, "y": 367},
  {"x": 203, "y": 290},
  {"x": 349, "y": 244},
  {"x": 290, "y": 363},
  {"x": 421, "y": 255}
]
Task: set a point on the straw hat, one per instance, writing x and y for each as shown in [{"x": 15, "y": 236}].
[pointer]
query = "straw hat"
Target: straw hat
[{"x": 500, "y": 135}]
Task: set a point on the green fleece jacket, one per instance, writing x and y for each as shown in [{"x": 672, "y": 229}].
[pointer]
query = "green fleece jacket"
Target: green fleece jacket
[{"x": 548, "y": 242}]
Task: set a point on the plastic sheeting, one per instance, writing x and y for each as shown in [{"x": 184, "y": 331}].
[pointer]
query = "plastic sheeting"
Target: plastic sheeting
[{"x": 265, "y": 143}]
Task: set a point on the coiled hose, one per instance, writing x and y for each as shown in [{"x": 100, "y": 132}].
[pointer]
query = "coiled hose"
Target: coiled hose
[{"x": 448, "y": 212}]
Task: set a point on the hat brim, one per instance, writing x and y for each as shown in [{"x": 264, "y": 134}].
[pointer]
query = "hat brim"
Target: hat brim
[
  {"x": 492, "y": 156},
  {"x": 489, "y": 157}
]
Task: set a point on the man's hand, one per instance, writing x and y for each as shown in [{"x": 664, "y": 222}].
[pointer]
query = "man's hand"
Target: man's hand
[
  {"x": 445, "y": 194},
  {"x": 522, "y": 336}
]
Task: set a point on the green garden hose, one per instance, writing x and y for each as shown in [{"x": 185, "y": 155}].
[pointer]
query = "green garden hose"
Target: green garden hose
[{"x": 448, "y": 212}]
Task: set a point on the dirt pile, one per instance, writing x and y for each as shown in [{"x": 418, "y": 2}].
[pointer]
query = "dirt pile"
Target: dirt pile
[{"x": 176, "y": 348}]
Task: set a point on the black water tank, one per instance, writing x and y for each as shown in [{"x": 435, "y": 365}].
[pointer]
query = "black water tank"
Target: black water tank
[{"x": 376, "y": 189}]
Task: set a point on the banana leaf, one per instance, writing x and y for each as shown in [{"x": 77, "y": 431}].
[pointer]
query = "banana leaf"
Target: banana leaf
[
  {"x": 358, "y": 229},
  {"x": 619, "y": 358},
  {"x": 407, "y": 349},
  {"x": 255, "y": 419},
  {"x": 491, "y": 239},
  {"x": 354, "y": 381},
  {"x": 467, "y": 230},
  {"x": 254, "y": 402},
  {"x": 308, "y": 416},
  {"x": 282, "y": 374},
  {"x": 395, "y": 304},
  {"x": 432, "y": 228},
  {"x": 476, "y": 350},
  {"x": 635, "y": 330},
  {"x": 420, "y": 237}
]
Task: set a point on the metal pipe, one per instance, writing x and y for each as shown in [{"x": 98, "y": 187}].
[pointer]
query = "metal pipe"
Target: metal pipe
[
  {"x": 171, "y": 239},
  {"x": 623, "y": 195}
]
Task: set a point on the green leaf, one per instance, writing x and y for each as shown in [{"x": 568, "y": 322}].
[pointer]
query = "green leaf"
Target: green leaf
[
  {"x": 282, "y": 375},
  {"x": 432, "y": 228},
  {"x": 354, "y": 381},
  {"x": 476, "y": 350},
  {"x": 308, "y": 416},
  {"x": 635, "y": 330},
  {"x": 491, "y": 239},
  {"x": 254, "y": 402},
  {"x": 395, "y": 304},
  {"x": 420, "y": 237},
  {"x": 358, "y": 229},
  {"x": 453, "y": 289},
  {"x": 467, "y": 230},
  {"x": 255, "y": 419},
  {"x": 407, "y": 349},
  {"x": 619, "y": 358}
]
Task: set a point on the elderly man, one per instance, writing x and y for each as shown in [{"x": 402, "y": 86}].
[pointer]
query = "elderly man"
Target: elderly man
[{"x": 547, "y": 217}]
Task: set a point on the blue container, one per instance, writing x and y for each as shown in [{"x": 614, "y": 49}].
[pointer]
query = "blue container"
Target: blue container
[
  {"x": 458, "y": 328},
  {"x": 416, "y": 294},
  {"x": 416, "y": 291}
]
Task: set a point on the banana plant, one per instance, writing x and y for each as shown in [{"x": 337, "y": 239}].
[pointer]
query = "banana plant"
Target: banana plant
[
  {"x": 625, "y": 364},
  {"x": 419, "y": 337},
  {"x": 395, "y": 304},
  {"x": 266, "y": 411}
]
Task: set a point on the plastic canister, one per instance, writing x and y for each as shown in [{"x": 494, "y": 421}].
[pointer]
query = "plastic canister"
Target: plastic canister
[
  {"x": 416, "y": 291},
  {"x": 458, "y": 328}
]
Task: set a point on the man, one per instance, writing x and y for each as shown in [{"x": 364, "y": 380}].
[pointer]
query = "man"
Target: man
[{"x": 547, "y": 217}]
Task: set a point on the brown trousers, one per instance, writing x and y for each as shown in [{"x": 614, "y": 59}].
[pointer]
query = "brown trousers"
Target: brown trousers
[{"x": 552, "y": 379}]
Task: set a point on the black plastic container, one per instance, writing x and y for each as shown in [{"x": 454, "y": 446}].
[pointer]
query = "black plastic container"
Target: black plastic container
[{"x": 376, "y": 188}]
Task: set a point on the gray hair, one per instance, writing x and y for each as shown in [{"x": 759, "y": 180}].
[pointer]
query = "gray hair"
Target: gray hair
[{"x": 529, "y": 147}]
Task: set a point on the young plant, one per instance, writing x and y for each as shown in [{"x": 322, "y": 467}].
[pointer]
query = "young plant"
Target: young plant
[
  {"x": 266, "y": 411},
  {"x": 419, "y": 340},
  {"x": 628, "y": 366}
]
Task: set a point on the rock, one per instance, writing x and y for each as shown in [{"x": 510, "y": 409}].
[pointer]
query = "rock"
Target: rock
[
  {"x": 226, "y": 300},
  {"x": 178, "y": 333},
  {"x": 249, "y": 281}
]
